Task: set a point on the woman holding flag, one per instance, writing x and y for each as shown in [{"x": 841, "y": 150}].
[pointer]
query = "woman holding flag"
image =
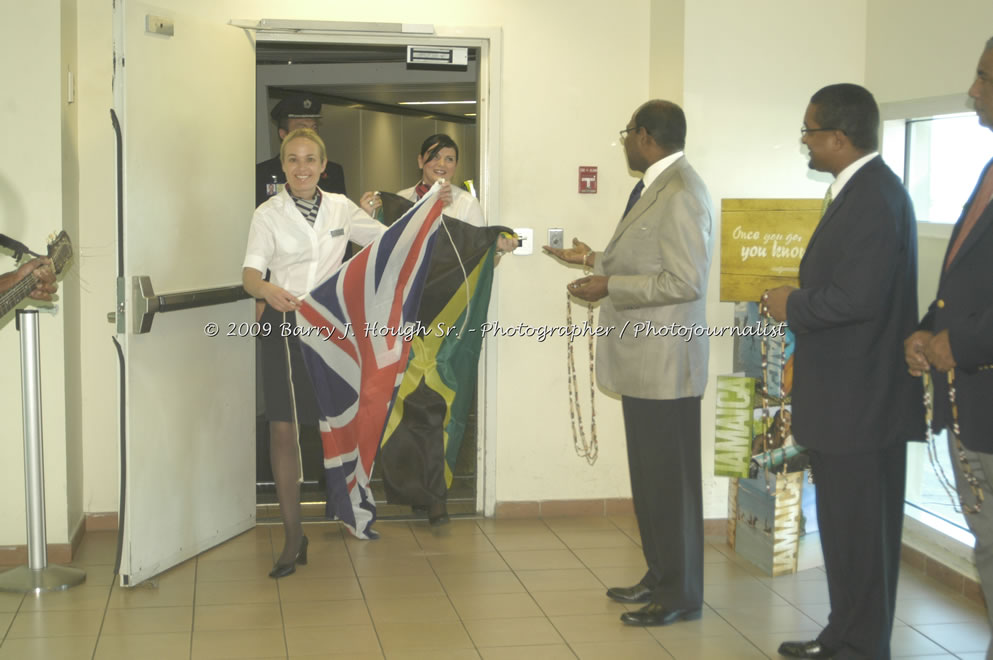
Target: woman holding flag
[
  {"x": 299, "y": 235},
  {"x": 426, "y": 426}
]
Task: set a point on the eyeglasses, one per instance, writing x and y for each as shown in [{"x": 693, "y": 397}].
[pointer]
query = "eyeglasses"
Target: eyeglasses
[
  {"x": 624, "y": 132},
  {"x": 804, "y": 130}
]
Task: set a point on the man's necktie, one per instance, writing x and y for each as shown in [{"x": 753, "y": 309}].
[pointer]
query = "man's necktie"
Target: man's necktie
[
  {"x": 979, "y": 205},
  {"x": 635, "y": 196},
  {"x": 828, "y": 198}
]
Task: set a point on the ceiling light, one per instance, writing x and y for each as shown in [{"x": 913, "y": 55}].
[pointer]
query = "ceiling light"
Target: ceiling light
[{"x": 436, "y": 103}]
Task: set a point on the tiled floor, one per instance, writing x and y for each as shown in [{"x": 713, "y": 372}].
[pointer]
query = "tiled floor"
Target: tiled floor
[{"x": 492, "y": 589}]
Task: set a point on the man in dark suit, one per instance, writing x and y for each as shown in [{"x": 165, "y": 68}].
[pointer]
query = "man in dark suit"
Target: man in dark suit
[
  {"x": 654, "y": 272},
  {"x": 297, "y": 111},
  {"x": 955, "y": 340},
  {"x": 854, "y": 405}
]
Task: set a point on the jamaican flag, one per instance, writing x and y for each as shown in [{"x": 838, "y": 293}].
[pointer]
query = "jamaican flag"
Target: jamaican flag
[{"x": 424, "y": 432}]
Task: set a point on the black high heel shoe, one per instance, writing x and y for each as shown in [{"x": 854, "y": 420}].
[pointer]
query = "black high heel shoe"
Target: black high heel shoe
[
  {"x": 282, "y": 570},
  {"x": 438, "y": 514}
]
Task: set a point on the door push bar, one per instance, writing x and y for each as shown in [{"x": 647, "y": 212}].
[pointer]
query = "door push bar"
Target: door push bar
[{"x": 145, "y": 302}]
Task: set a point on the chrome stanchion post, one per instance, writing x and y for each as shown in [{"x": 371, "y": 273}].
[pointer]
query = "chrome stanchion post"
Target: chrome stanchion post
[
  {"x": 34, "y": 463},
  {"x": 37, "y": 576}
]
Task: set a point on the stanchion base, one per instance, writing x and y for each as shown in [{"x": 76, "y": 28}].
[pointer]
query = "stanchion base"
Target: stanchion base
[{"x": 53, "y": 577}]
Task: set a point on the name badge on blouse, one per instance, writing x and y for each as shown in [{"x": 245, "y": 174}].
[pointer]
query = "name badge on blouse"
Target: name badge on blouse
[{"x": 337, "y": 232}]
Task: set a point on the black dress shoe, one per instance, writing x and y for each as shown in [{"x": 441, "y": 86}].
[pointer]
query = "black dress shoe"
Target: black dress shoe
[
  {"x": 639, "y": 593},
  {"x": 282, "y": 570},
  {"x": 811, "y": 649},
  {"x": 438, "y": 521},
  {"x": 654, "y": 614}
]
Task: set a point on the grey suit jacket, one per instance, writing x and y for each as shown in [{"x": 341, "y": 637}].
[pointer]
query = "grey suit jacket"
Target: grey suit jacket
[{"x": 658, "y": 261}]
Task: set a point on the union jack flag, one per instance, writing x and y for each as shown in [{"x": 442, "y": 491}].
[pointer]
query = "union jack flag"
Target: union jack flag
[{"x": 352, "y": 329}]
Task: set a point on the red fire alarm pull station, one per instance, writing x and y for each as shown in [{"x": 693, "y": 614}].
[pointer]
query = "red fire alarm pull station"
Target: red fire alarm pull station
[{"x": 587, "y": 179}]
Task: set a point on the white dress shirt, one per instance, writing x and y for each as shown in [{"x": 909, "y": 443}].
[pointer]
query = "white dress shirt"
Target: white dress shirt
[
  {"x": 464, "y": 206},
  {"x": 846, "y": 174},
  {"x": 654, "y": 170},
  {"x": 299, "y": 255}
]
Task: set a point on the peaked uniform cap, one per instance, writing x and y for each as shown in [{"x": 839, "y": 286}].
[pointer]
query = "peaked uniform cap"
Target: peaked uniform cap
[{"x": 297, "y": 106}]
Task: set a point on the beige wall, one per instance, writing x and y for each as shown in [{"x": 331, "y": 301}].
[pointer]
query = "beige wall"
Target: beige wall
[
  {"x": 667, "y": 37},
  {"x": 36, "y": 197},
  {"x": 572, "y": 74},
  {"x": 921, "y": 49},
  {"x": 750, "y": 69}
]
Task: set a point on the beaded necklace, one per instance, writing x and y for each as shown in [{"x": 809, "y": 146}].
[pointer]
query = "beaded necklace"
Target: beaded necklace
[
  {"x": 946, "y": 483},
  {"x": 591, "y": 450}
]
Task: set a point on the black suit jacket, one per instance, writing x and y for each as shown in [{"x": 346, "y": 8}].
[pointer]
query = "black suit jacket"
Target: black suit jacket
[
  {"x": 332, "y": 178},
  {"x": 856, "y": 303},
  {"x": 964, "y": 307}
]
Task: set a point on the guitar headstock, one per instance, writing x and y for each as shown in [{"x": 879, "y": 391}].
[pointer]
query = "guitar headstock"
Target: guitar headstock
[{"x": 60, "y": 251}]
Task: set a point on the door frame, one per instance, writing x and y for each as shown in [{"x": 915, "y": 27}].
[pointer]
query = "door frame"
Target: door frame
[{"x": 489, "y": 41}]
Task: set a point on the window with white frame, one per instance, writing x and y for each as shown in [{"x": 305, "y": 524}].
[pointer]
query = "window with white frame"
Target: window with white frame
[{"x": 939, "y": 159}]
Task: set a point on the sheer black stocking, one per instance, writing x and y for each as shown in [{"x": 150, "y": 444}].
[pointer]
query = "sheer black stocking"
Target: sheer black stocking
[{"x": 284, "y": 457}]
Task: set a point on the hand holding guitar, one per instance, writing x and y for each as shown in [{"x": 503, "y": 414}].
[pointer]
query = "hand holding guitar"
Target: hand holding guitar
[
  {"x": 36, "y": 278},
  {"x": 43, "y": 272}
]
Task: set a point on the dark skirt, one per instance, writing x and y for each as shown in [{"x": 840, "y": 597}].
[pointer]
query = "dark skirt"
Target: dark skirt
[{"x": 276, "y": 378}]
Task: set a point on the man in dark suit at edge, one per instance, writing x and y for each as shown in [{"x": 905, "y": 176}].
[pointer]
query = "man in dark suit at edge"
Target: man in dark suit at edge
[
  {"x": 854, "y": 405},
  {"x": 297, "y": 111},
  {"x": 654, "y": 270},
  {"x": 956, "y": 337}
]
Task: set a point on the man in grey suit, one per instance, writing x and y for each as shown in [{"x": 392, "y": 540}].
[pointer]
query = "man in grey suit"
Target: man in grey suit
[{"x": 653, "y": 277}]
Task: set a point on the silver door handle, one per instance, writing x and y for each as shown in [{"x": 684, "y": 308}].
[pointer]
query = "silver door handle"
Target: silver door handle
[{"x": 146, "y": 303}]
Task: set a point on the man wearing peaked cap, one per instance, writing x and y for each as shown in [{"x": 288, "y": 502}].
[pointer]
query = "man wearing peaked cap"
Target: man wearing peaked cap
[{"x": 296, "y": 111}]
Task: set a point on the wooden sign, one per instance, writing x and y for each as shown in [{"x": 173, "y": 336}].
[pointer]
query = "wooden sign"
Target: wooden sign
[{"x": 762, "y": 242}]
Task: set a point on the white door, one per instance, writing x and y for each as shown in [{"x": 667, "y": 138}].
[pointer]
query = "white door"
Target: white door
[{"x": 184, "y": 96}]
